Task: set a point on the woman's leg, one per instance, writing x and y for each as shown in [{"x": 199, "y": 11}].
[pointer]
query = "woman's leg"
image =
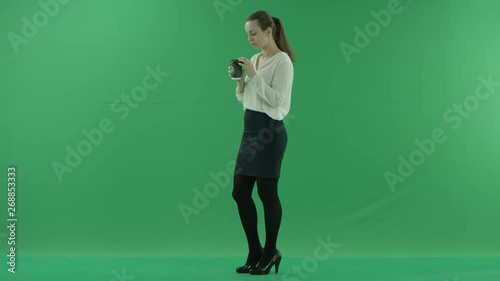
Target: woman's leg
[
  {"x": 242, "y": 194},
  {"x": 268, "y": 193}
]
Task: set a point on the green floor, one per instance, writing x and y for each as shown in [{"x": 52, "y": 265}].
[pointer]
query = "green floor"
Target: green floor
[{"x": 222, "y": 269}]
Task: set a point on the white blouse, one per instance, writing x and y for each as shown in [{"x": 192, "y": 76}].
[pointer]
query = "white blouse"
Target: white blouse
[{"x": 270, "y": 90}]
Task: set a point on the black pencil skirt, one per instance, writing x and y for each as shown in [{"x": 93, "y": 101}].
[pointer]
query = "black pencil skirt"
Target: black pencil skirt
[{"x": 262, "y": 146}]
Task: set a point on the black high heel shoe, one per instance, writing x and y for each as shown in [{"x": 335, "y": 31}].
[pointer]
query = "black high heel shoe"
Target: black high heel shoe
[
  {"x": 249, "y": 266},
  {"x": 265, "y": 268}
]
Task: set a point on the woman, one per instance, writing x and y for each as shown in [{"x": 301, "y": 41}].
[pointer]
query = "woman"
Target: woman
[{"x": 265, "y": 94}]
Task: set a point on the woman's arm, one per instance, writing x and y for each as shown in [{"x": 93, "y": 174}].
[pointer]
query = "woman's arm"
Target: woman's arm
[
  {"x": 241, "y": 85},
  {"x": 281, "y": 84},
  {"x": 240, "y": 89}
]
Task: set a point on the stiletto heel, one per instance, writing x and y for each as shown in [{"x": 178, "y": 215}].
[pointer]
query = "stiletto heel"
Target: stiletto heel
[
  {"x": 265, "y": 268},
  {"x": 277, "y": 265}
]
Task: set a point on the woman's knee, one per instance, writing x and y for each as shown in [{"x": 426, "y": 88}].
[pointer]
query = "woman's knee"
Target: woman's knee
[
  {"x": 242, "y": 188},
  {"x": 268, "y": 191},
  {"x": 239, "y": 195}
]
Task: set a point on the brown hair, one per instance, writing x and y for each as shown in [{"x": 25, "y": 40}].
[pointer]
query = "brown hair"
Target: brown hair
[{"x": 265, "y": 20}]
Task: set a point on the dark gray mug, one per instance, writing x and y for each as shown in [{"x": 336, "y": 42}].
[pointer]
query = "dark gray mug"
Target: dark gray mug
[{"x": 237, "y": 70}]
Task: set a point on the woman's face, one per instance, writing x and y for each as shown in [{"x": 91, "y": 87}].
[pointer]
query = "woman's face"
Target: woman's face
[{"x": 256, "y": 37}]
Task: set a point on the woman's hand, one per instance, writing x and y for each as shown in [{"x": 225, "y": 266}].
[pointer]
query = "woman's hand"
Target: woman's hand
[{"x": 247, "y": 66}]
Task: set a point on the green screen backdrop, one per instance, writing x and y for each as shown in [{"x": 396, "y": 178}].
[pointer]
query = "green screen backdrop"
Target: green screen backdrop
[{"x": 123, "y": 127}]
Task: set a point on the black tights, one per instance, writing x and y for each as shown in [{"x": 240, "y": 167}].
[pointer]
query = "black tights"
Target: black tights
[{"x": 268, "y": 193}]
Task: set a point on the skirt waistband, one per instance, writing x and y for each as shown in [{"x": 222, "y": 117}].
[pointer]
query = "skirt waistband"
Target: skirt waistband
[{"x": 255, "y": 122}]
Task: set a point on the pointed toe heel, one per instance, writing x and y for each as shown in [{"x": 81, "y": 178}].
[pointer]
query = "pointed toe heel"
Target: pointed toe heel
[
  {"x": 250, "y": 265},
  {"x": 262, "y": 269},
  {"x": 247, "y": 267}
]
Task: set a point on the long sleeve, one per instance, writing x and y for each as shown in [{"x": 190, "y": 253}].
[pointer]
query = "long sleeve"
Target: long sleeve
[
  {"x": 281, "y": 84},
  {"x": 239, "y": 95}
]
